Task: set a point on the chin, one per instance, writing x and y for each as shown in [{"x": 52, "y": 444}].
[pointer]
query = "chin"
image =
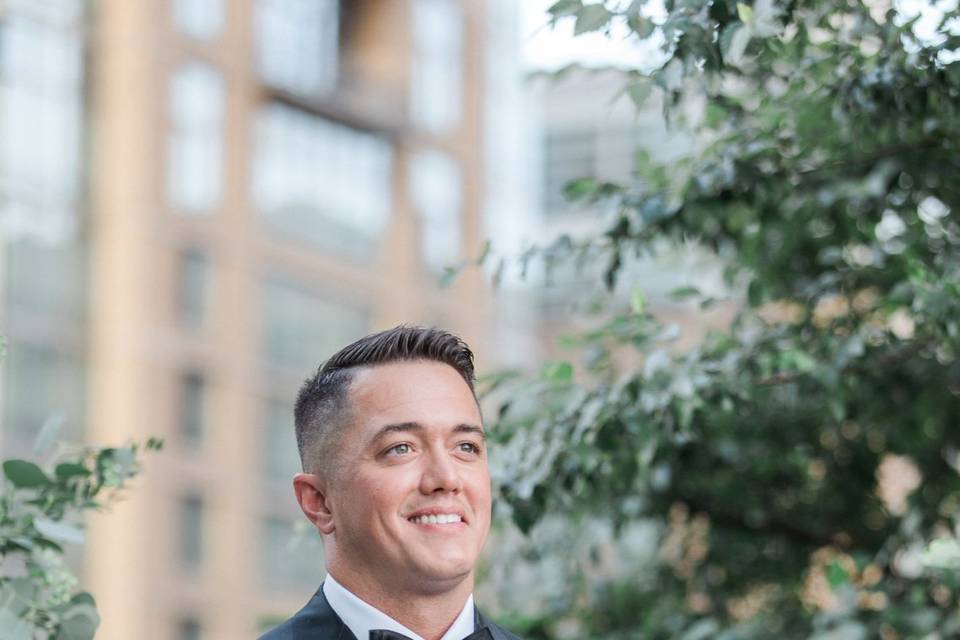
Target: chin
[{"x": 443, "y": 575}]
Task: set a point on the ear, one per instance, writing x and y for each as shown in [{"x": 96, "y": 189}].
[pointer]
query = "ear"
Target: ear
[{"x": 312, "y": 496}]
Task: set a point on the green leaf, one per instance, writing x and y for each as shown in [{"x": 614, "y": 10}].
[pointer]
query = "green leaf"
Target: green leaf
[
  {"x": 684, "y": 293},
  {"x": 733, "y": 43},
  {"x": 558, "y": 371},
  {"x": 59, "y": 531},
  {"x": 563, "y": 8},
  {"x": 66, "y": 470},
  {"x": 590, "y": 18},
  {"x": 48, "y": 434},
  {"x": 744, "y": 12},
  {"x": 639, "y": 92},
  {"x": 25, "y": 474},
  {"x": 643, "y": 27},
  {"x": 755, "y": 293},
  {"x": 836, "y": 576},
  {"x": 80, "y": 621},
  {"x": 448, "y": 276},
  {"x": 580, "y": 188},
  {"x": 638, "y": 301}
]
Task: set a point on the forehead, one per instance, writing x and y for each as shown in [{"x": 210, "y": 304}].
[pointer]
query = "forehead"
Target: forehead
[{"x": 431, "y": 393}]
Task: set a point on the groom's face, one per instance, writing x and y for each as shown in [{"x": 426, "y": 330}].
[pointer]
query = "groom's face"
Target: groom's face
[{"x": 411, "y": 501}]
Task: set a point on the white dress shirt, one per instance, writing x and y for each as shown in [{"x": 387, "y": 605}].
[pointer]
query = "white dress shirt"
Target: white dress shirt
[{"x": 361, "y": 617}]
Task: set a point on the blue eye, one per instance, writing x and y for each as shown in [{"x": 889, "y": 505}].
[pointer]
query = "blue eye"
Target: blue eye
[
  {"x": 399, "y": 449},
  {"x": 470, "y": 447}
]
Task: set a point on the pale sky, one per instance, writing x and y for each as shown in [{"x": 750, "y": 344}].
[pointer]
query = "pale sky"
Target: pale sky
[{"x": 552, "y": 48}]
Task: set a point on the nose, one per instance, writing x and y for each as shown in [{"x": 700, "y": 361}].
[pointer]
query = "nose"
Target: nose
[{"x": 439, "y": 473}]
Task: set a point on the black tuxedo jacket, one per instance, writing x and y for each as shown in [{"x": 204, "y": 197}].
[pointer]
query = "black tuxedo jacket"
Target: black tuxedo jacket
[{"x": 317, "y": 621}]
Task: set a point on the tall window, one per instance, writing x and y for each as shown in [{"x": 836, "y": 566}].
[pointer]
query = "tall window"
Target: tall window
[
  {"x": 200, "y": 19},
  {"x": 192, "y": 294},
  {"x": 437, "y": 64},
  {"x": 195, "y": 148},
  {"x": 567, "y": 155},
  {"x": 40, "y": 382},
  {"x": 297, "y": 44},
  {"x": 287, "y": 558},
  {"x": 301, "y": 329},
  {"x": 281, "y": 460},
  {"x": 188, "y": 629},
  {"x": 320, "y": 181},
  {"x": 41, "y": 104},
  {"x": 191, "y": 532},
  {"x": 435, "y": 190},
  {"x": 192, "y": 401}
]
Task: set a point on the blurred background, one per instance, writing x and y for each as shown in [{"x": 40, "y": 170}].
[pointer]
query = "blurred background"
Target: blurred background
[{"x": 201, "y": 200}]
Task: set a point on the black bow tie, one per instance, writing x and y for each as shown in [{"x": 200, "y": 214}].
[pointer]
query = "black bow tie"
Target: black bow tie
[{"x": 385, "y": 634}]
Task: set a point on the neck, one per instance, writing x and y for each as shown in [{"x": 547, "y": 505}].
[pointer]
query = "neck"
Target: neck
[{"x": 427, "y": 612}]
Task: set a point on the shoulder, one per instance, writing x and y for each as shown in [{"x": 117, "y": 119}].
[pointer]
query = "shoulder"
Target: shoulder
[
  {"x": 498, "y": 632},
  {"x": 316, "y": 621}
]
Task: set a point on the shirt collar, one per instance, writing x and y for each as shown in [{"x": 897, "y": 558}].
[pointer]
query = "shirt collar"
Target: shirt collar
[{"x": 361, "y": 617}]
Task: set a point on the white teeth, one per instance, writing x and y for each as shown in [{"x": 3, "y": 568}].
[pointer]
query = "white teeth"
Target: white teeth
[{"x": 443, "y": 518}]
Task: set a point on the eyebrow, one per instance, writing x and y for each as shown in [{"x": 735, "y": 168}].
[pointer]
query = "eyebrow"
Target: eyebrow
[{"x": 407, "y": 427}]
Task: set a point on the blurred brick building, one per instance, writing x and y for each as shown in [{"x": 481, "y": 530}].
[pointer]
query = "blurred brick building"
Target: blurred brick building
[{"x": 199, "y": 201}]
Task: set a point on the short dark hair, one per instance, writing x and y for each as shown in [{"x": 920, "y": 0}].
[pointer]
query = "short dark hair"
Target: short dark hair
[{"x": 322, "y": 410}]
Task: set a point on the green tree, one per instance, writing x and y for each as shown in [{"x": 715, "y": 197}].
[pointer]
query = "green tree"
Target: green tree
[
  {"x": 41, "y": 510},
  {"x": 826, "y": 180}
]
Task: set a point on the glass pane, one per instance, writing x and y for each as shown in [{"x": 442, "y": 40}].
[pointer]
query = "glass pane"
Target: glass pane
[
  {"x": 195, "y": 147},
  {"x": 47, "y": 279},
  {"x": 41, "y": 107},
  {"x": 289, "y": 556},
  {"x": 201, "y": 19},
  {"x": 191, "y": 532},
  {"x": 188, "y": 630},
  {"x": 281, "y": 459},
  {"x": 192, "y": 391},
  {"x": 436, "y": 75},
  {"x": 435, "y": 192},
  {"x": 194, "y": 282},
  {"x": 40, "y": 382},
  {"x": 302, "y": 329},
  {"x": 568, "y": 155},
  {"x": 320, "y": 181},
  {"x": 297, "y": 44}
]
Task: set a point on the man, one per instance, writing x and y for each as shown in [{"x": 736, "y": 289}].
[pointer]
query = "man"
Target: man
[{"x": 396, "y": 482}]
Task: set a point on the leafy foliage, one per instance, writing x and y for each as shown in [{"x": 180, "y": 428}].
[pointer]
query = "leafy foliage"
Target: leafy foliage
[
  {"x": 40, "y": 512},
  {"x": 825, "y": 180}
]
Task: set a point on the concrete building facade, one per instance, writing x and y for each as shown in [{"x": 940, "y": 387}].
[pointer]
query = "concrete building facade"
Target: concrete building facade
[{"x": 200, "y": 201}]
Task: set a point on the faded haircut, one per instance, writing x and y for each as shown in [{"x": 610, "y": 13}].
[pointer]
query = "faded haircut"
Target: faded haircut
[{"x": 323, "y": 409}]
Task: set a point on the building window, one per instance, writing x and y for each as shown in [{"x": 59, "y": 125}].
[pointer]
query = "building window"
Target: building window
[
  {"x": 200, "y": 19},
  {"x": 289, "y": 557},
  {"x": 40, "y": 383},
  {"x": 192, "y": 393},
  {"x": 301, "y": 329},
  {"x": 188, "y": 629},
  {"x": 567, "y": 156},
  {"x": 321, "y": 182},
  {"x": 437, "y": 61},
  {"x": 191, "y": 532},
  {"x": 436, "y": 194},
  {"x": 195, "y": 148},
  {"x": 194, "y": 276},
  {"x": 281, "y": 459},
  {"x": 297, "y": 44},
  {"x": 41, "y": 115}
]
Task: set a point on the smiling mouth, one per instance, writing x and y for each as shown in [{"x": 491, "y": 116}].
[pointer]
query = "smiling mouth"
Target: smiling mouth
[{"x": 440, "y": 518}]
